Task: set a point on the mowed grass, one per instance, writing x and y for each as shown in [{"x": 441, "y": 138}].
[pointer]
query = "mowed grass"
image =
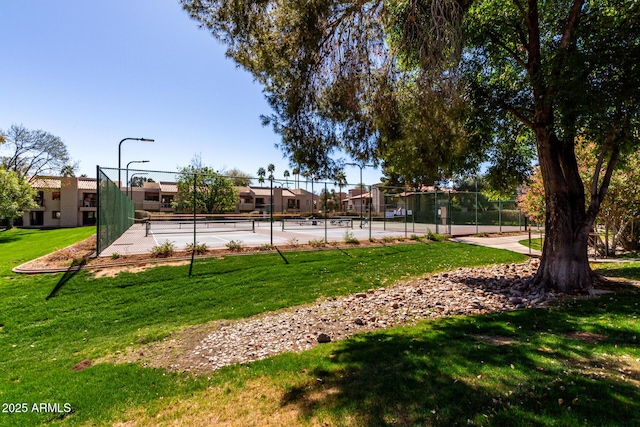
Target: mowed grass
[
  {"x": 574, "y": 364},
  {"x": 50, "y": 322},
  {"x": 536, "y": 243}
]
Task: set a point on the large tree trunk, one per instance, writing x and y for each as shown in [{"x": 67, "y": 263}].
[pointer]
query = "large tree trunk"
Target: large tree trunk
[{"x": 564, "y": 266}]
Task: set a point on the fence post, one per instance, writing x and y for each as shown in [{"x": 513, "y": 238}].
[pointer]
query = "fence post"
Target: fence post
[
  {"x": 98, "y": 243},
  {"x": 406, "y": 207},
  {"x": 370, "y": 209},
  {"x": 435, "y": 213},
  {"x": 500, "y": 213},
  {"x": 193, "y": 249},
  {"x": 326, "y": 216},
  {"x": 477, "y": 205},
  {"x": 271, "y": 210},
  {"x": 449, "y": 213}
]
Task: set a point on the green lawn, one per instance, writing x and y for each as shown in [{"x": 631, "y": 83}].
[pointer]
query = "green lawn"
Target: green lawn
[
  {"x": 535, "y": 243},
  {"x": 437, "y": 373}
]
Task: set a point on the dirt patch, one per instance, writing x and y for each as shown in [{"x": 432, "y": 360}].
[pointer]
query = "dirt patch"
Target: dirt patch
[
  {"x": 115, "y": 270},
  {"x": 82, "y": 365},
  {"x": 494, "y": 340},
  {"x": 82, "y": 253},
  {"x": 586, "y": 336}
]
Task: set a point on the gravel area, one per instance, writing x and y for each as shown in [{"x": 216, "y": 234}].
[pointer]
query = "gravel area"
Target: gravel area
[{"x": 208, "y": 347}]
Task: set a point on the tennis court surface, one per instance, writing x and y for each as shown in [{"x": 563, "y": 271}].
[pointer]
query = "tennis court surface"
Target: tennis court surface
[{"x": 141, "y": 237}]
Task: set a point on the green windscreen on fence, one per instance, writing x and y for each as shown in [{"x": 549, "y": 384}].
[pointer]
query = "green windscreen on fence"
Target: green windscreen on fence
[{"x": 115, "y": 212}]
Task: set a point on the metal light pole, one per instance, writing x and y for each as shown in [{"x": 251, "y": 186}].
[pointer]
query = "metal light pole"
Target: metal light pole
[
  {"x": 361, "y": 186},
  {"x": 120, "y": 154},
  {"x": 127, "y": 176}
]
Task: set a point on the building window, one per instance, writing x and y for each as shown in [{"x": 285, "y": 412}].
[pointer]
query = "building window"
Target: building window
[
  {"x": 56, "y": 195},
  {"x": 89, "y": 200},
  {"x": 55, "y": 215},
  {"x": 259, "y": 201},
  {"x": 39, "y": 199}
]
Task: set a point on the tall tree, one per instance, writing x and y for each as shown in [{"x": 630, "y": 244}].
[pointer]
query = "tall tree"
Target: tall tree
[
  {"x": 239, "y": 178},
  {"x": 33, "y": 152},
  {"x": 286, "y": 175},
  {"x": 447, "y": 84},
  {"x": 261, "y": 174},
  {"x": 213, "y": 192},
  {"x": 16, "y": 196},
  {"x": 271, "y": 168}
]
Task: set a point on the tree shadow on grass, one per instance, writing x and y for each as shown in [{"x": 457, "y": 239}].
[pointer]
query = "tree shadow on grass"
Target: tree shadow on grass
[
  {"x": 68, "y": 275},
  {"x": 447, "y": 372}
]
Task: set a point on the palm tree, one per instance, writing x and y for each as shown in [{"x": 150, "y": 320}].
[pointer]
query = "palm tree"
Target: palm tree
[
  {"x": 271, "y": 168},
  {"x": 306, "y": 175},
  {"x": 340, "y": 181},
  {"x": 286, "y": 175},
  {"x": 261, "y": 173},
  {"x": 296, "y": 173}
]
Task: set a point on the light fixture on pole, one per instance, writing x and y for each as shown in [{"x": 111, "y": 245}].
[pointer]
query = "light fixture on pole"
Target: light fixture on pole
[
  {"x": 126, "y": 183},
  {"x": 361, "y": 186},
  {"x": 120, "y": 154}
]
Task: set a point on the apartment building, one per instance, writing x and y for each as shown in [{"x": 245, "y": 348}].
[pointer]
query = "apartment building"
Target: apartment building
[
  {"x": 72, "y": 202},
  {"x": 63, "y": 202}
]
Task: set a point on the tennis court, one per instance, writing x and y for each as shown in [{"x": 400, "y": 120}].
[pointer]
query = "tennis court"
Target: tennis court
[{"x": 141, "y": 237}]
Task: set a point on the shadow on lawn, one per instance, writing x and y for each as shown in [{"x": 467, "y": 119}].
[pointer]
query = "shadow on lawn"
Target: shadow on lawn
[
  {"x": 68, "y": 275},
  {"x": 451, "y": 372}
]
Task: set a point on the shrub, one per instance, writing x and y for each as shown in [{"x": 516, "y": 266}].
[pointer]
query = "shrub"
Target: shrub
[
  {"x": 197, "y": 248},
  {"x": 266, "y": 247},
  {"x": 317, "y": 243},
  {"x": 293, "y": 242},
  {"x": 164, "y": 250},
  {"x": 435, "y": 237},
  {"x": 115, "y": 255},
  {"x": 235, "y": 245},
  {"x": 350, "y": 238},
  {"x": 388, "y": 239},
  {"x": 416, "y": 237}
]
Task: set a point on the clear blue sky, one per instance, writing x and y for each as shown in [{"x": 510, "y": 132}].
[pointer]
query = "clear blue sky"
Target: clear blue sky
[{"x": 95, "y": 72}]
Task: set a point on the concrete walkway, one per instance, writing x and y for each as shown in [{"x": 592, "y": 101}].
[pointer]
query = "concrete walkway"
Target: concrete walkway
[{"x": 509, "y": 243}]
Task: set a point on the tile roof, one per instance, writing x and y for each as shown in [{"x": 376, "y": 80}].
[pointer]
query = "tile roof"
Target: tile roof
[{"x": 46, "y": 182}]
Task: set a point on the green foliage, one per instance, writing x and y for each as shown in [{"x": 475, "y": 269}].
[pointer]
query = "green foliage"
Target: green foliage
[
  {"x": 266, "y": 247},
  {"x": 198, "y": 248},
  {"x": 235, "y": 245},
  {"x": 350, "y": 238},
  {"x": 163, "y": 250},
  {"x": 293, "y": 242},
  {"x": 317, "y": 243},
  {"x": 115, "y": 255},
  {"x": 16, "y": 196},
  {"x": 213, "y": 192},
  {"x": 435, "y": 236}
]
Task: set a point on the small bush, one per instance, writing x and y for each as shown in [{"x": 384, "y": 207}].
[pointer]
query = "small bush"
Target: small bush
[
  {"x": 435, "y": 237},
  {"x": 115, "y": 255},
  {"x": 483, "y": 234},
  {"x": 235, "y": 245},
  {"x": 197, "y": 248},
  {"x": 266, "y": 247},
  {"x": 164, "y": 250},
  {"x": 388, "y": 239},
  {"x": 416, "y": 238},
  {"x": 317, "y": 243},
  {"x": 293, "y": 242},
  {"x": 350, "y": 238}
]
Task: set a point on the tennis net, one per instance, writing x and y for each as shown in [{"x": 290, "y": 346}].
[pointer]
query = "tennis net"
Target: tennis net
[
  {"x": 178, "y": 226},
  {"x": 300, "y": 223}
]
